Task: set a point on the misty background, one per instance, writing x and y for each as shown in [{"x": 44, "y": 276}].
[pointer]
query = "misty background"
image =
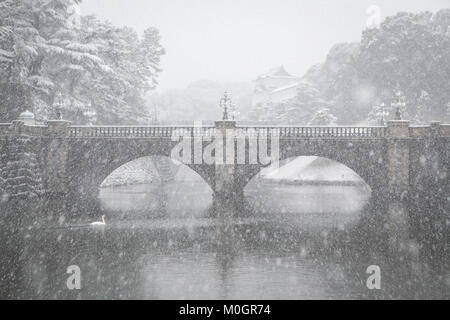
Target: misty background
[{"x": 303, "y": 62}]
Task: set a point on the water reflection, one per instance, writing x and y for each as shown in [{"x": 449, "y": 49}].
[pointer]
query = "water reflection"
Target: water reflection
[{"x": 168, "y": 247}]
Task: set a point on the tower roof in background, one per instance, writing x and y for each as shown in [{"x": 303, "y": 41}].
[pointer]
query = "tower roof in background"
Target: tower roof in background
[{"x": 276, "y": 72}]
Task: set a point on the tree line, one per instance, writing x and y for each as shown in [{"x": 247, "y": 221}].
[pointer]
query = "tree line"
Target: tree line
[
  {"x": 53, "y": 58},
  {"x": 406, "y": 58}
]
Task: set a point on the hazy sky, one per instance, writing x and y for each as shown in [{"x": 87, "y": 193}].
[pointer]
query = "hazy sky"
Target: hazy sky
[{"x": 235, "y": 40}]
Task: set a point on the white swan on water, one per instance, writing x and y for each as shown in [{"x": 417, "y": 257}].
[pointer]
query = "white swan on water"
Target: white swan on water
[{"x": 99, "y": 223}]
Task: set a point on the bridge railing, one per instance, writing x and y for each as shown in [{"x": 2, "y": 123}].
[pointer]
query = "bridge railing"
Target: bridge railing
[
  {"x": 168, "y": 131},
  {"x": 138, "y": 131},
  {"x": 160, "y": 131},
  {"x": 317, "y": 131}
]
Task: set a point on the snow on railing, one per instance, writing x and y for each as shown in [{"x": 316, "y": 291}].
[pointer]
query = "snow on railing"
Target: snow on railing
[
  {"x": 138, "y": 131},
  {"x": 161, "y": 131},
  {"x": 169, "y": 131},
  {"x": 317, "y": 132}
]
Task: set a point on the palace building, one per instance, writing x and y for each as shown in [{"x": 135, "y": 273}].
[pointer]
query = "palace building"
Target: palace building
[{"x": 275, "y": 86}]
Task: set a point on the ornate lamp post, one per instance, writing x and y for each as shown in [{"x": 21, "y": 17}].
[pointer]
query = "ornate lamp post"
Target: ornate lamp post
[
  {"x": 397, "y": 105},
  {"x": 383, "y": 114},
  {"x": 226, "y": 105},
  {"x": 58, "y": 106}
]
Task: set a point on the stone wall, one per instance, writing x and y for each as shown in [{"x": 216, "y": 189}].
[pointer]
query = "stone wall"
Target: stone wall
[
  {"x": 21, "y": 181},
  {"x": 20, "y": 170}
]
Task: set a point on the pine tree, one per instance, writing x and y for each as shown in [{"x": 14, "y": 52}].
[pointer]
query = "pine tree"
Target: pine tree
[
  {"x": 118, "y": 94},
  {"x": 46, "y": 50},
  {"x": 40, "y": 38}
]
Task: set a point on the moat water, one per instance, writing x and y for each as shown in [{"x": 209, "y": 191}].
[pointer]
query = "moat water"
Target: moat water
[{"x": 161, "y": 242}]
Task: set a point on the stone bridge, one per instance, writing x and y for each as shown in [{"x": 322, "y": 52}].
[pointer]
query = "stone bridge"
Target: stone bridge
[{"x": 397, "y": 161}]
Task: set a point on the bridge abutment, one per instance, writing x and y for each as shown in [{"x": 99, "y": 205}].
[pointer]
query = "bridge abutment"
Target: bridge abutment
[
  {"x": 398, "y": 159},
  {"x": 430, "y": 185},
  {"x": 56, "y": 157},
  {"x": 398, "y": 167},
  {"x": 228, "y": 195}
]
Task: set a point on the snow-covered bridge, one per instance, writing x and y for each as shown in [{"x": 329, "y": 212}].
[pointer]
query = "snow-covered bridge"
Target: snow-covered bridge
[{"x": 396, "y": 161}]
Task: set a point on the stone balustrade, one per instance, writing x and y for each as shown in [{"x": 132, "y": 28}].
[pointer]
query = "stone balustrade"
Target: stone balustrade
[
  {"x": 138, "y": 131},
  {"x": 167, "y": 131},
  {"x": 316, "y": 132}
]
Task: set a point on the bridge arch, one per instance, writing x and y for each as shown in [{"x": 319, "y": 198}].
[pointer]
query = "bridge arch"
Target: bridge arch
[
  {"x": 366, "y": 159},
  {"x": 142, "y": 170},
  {"x": 91, "y": 161},
  {"x": 154, "y": 159},
  {"x": 140, "y": 188},
  {"x": 285, "y": 170}
]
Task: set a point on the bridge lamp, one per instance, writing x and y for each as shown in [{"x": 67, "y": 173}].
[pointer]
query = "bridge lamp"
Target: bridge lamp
[
  {"x": 383, "y": 113},
  {"x": 400, "y": 103},
  {"x": 58, "y": 105},
  {"x": 226, "y": 105}
]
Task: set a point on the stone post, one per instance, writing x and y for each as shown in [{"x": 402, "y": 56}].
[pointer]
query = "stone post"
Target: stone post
[
  {"x": 58, "y": 128},
  {"x": 398, "y": 158},
  {"x": 436, "y": 181},
  {"x": 398, "y": 183},
  {"x": 435, "y": 129},
  {"x": 227, "y": 195},
  {"x": 56, "y": 156}
]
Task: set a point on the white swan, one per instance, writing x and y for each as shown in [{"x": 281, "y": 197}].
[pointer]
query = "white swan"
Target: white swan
[{"x": 99, "y": 223}]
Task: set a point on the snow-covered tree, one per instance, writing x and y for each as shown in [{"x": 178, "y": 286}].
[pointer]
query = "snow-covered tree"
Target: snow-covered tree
[
  {"x": 308, "y": 100},
  {"x": 117, "y": 94},
  {"x": 410, "y": 52},
  {"x": 323, "y": 117},
  {"x": 40, "y": 39},
  {"x": 47, "y": 50}
]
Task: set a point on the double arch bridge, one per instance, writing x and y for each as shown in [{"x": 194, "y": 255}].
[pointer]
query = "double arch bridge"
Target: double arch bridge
[{"x": 397, "y": 161}]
